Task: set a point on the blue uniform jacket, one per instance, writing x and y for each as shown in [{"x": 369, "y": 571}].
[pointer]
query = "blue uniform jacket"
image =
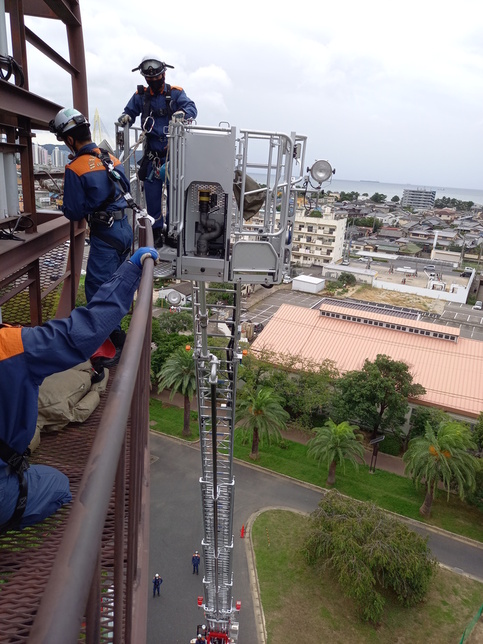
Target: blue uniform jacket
[
  {"x": 29, "y": 354},
  {"x": 87, "y": 185},
  {"x": 157, "y": 139}
]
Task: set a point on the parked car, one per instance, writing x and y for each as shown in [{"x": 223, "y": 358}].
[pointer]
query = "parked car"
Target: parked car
[
  {"x": 287, "y": 279},
  {"x": 478, "y": 306}
]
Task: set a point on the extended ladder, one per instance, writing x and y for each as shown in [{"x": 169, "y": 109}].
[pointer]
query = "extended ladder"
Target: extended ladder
[{"x": 216, "y": 363}]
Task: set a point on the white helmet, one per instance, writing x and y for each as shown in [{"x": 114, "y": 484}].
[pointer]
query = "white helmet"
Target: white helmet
[
  {"x": 151, "y": 66},
  {"x": 156, "y": 575},
  {"x": 67, "y": 119}
]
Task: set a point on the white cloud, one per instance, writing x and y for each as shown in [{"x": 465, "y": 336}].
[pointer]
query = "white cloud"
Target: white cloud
[{"x": 385, "y": 91}]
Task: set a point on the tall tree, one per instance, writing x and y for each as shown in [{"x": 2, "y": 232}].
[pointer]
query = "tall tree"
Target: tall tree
[
  {"x": 369, "y": 551},
  {"x": 377, "y": 396},
  {"x": 261, "y": 414},
  {"x": 304, "y": 386},
  {"x": 178, "y": 373},
  {"x": 378, "y": 197},
  {"x": 442, "y": 456},
  {"x": 334, "y": 444}
]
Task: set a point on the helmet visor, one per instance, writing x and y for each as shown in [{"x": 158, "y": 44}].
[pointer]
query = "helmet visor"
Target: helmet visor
[{"x": 152, "y": 68}]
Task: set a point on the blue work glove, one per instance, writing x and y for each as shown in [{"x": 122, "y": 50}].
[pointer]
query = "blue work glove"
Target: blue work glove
[{"x": 143, "y": 253}]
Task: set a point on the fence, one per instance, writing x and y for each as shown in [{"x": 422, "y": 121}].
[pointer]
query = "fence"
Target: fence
[{"x": 471, "y": 625}]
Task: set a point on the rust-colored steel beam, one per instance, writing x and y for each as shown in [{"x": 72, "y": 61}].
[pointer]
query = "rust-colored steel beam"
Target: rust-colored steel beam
[
  {"x": 55, "y": 9},
  {"x": 43, "y": 47},
  {"x": 75, "y": 40},
  {"x": 19, "y": 46},
  {"x": 68, "y": 12},
  {"x": 16, "y": 100},
  {"x": 15, "y": 255}
]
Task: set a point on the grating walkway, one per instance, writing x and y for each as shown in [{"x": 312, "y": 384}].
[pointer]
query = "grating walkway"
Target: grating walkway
[{"x": 26, "y": 557}]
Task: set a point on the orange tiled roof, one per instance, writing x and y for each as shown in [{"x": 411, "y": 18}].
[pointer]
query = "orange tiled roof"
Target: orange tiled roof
[{"x": 450, "y": 371}]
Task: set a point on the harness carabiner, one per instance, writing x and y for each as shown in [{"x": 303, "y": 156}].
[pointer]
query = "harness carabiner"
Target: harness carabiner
[{"x": 148, "y": 124}]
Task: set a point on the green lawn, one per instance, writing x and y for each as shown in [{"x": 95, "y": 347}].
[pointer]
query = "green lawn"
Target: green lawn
[
  {"x": 168, "y": 419},
  {"x": 305, "y": 604},
  {"x": 389, "y": 491}
]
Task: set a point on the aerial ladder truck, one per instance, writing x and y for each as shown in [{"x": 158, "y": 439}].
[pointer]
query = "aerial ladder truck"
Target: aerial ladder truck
[{"x": 232, "y": 230}]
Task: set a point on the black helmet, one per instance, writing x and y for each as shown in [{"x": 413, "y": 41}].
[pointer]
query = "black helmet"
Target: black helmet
[{"x": 150, "y": 67}]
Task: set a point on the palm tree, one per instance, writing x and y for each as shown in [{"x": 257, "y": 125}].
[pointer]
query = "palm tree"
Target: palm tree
[
  {"x": 442, "y": 456},
  {"x": 261, "y": 413},
  {"x": 178, "y": 373},
  {"x": 335, "y": 444}
]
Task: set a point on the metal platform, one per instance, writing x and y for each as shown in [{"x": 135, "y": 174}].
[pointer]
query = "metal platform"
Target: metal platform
[{"x": 27, "y": 556}]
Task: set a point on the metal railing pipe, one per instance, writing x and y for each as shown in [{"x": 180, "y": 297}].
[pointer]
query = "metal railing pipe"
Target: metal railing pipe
[{"x": 58, "y": 620}]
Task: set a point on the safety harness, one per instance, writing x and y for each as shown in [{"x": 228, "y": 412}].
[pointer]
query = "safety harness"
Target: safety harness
[
  {"x": 101, "y": 219},
  {"x": 19, "y": 464},
  {"x": 148, "y": 117},
  {"x": 147, "y": 111}
]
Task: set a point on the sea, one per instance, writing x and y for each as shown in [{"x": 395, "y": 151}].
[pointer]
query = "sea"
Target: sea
[{"x": 393, "y": 189}]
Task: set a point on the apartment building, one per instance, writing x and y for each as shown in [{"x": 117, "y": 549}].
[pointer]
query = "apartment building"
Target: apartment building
[
  {"x": 318, "y": 239},
  {"x": 419, "y": 199}
]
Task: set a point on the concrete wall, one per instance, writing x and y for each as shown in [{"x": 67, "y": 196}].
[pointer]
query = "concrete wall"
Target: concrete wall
[{"x": 459, "y": 296}]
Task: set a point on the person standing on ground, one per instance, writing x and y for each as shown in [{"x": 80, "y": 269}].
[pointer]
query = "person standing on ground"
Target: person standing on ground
[
  {"x": 157, "y": 104},
  {"x": 95, "y": 193},
  {"x": 157, "y": 581},
  {"x": 31, "y": 493},
  {"x": 195, "y": 560}
]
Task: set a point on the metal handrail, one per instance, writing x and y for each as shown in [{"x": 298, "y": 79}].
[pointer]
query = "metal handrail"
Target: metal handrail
[{"x": 76, "y": 570}]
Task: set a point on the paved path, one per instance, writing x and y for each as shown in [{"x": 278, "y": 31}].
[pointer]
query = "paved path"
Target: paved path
[{"x": 176, "y": 530}]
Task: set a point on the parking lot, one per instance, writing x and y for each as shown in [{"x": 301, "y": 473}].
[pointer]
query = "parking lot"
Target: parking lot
[
  {"x": 462, "y": 316},
  {"x": 264, "y": 310}
]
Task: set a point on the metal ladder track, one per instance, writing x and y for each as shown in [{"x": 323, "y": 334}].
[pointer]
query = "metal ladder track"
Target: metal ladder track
[{"x": 216, "y": 367}]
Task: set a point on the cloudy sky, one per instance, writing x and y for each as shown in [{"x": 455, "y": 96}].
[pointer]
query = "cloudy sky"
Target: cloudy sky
[{"x": 389, "y": 92}]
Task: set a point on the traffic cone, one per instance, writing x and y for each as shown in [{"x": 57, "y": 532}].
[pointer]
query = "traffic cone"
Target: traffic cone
[{"x": 242, "y": 531}]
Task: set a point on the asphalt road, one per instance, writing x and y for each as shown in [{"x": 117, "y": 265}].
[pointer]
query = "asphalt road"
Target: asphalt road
[{"x": 176, "y": 531}]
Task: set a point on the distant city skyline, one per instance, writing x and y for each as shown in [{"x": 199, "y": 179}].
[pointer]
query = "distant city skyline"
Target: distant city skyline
[{"x": 50, "y": 154}]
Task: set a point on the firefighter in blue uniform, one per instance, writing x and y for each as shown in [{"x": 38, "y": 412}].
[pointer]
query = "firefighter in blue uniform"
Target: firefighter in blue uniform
[
  {"x": 91, "y": 193},
  {"x": 195, "y": 560},
  {"x": 29, "y": 494},
  {"x": 157, "y": 104}
]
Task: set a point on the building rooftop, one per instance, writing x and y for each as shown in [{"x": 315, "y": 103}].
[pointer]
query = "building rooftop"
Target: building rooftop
[{"x": 449, "y": 368}]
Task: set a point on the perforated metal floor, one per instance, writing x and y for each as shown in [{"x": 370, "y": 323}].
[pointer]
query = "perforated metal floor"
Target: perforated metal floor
[{"x": 26, "y": 557}]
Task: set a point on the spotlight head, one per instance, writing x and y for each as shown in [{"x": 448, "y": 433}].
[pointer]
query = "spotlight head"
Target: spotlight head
[{"x": 321, "y": 171}]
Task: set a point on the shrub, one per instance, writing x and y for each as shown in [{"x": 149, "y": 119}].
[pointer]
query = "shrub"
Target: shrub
[{"x": 390, "y": 445}]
